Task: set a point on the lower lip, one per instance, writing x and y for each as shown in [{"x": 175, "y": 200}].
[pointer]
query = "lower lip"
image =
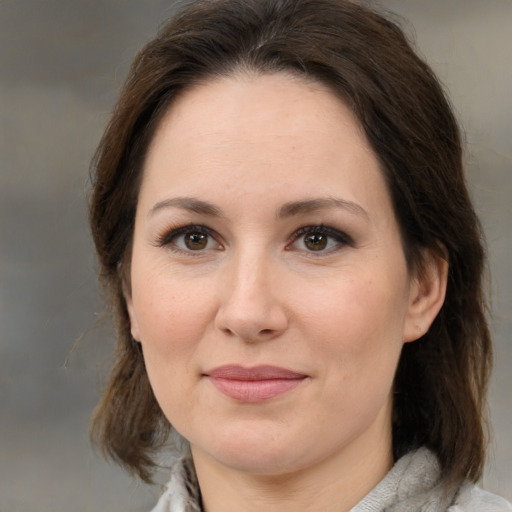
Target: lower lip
[{"x": 254, "y": 391}]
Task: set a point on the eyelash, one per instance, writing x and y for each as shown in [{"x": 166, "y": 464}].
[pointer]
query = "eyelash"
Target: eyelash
[
  {"x": 167, "y": 239},
  {"x": 341, "y": 238}
]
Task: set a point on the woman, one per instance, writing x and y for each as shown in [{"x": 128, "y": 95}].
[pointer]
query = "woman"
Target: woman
[{"x": 282, "y": 221}]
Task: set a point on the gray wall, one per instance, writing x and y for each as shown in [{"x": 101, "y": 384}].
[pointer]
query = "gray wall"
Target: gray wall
[{"x": 61, "y": 63}]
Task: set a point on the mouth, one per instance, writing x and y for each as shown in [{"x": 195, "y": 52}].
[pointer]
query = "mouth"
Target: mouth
[{"x": 253, "y": 385}]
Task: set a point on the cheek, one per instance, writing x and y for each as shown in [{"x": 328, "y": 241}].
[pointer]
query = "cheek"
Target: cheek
[
  {"x": 362, "y": 309},
  {"x": 359, "y": 330},
  {"x": 172, "y": 319},
  {"x": 172, "y": 316},
  {"x": 167, "y": 309}
]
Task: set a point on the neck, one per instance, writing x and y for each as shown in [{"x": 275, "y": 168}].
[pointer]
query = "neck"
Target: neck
[{"x": 334, "y": 484}]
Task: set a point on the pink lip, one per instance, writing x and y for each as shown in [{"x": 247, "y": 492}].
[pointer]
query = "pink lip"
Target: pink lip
[{"x": 252, "y": 385}]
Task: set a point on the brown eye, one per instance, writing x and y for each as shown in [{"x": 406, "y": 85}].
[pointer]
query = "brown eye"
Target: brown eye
[
  {"x": 195, "y": 241},
  {"x": 188, "y": 239},
  {"x": 321, "y": 239},
  {"x": 316, "y": 241}
]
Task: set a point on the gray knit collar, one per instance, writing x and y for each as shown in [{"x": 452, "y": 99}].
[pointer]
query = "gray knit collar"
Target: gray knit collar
[{"x": 413, "y": 484}]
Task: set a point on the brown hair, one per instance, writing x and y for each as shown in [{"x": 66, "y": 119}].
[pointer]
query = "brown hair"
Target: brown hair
[{"x": 364, "y": 58}]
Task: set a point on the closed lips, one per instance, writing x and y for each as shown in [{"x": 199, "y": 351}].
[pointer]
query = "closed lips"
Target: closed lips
[
  {"x": 253, "y": 385},
  {"x": 236, "y": 372}
]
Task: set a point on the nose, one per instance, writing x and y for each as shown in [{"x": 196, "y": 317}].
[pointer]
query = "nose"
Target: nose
[{"x": 250, "y": 307}]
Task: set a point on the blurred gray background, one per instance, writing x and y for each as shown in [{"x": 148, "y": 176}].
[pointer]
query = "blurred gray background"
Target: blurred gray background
[{"x": 61, "y": 65}]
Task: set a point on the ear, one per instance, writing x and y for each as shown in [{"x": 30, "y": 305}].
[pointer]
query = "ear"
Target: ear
[
  {"x": 426, "y": 295},
  {"x": 134, "y": 325}
]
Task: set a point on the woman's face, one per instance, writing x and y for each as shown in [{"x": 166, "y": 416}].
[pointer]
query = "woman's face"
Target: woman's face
[{"x": 269, "y": 287}]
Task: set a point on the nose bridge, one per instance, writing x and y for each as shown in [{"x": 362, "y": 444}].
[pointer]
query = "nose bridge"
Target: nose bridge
[
  {"x": 250, "y": 306},
  {"x": 250, "y": 271}
]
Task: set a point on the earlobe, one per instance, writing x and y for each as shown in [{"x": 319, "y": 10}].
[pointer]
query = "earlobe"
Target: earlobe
[{"x": 426, "y": 297}]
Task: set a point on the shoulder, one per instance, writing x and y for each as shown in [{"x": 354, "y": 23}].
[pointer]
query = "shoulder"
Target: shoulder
[{"x": 473, "y": 499}]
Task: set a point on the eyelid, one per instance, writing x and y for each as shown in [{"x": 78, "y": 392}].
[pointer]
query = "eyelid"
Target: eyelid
[
  {"x": 339, "y": 236},
  {"x": 166, "y": 238}
]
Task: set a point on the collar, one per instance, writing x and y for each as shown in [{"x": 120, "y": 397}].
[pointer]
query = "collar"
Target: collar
[{"x": 414, "y": 483}]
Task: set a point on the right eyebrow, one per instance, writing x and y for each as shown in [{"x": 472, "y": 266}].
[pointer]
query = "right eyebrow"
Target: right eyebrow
[{"x": 187, "y": 203}]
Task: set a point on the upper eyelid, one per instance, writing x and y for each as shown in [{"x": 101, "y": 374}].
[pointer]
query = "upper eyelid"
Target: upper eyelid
[
  {"x": 320, "y": 228},
  {"x": 167, "y": 236},
  {"x": 341, "y": 238}
]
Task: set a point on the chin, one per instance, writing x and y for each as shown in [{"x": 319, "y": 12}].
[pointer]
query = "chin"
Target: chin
[
  {"x": 257, "y": 451},
  {"x": 259, "y": 462}
]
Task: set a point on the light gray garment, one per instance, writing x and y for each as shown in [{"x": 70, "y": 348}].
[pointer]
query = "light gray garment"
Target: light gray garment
[{"x": 412, "y": 485}]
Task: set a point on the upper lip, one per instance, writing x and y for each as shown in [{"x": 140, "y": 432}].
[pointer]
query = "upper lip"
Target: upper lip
[{"x": 263, "y": 372}]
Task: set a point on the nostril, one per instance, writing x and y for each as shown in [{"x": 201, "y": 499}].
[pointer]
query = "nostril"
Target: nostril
[{"x": 251, "y": 321}]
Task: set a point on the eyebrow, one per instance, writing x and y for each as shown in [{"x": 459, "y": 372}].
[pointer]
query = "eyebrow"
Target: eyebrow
[
  {"x": 187, "y": 203},
  {"x": 323, "y": 203}
]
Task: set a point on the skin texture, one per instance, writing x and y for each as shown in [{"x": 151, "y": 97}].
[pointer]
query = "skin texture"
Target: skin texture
[{"x": 271, "y": 155}]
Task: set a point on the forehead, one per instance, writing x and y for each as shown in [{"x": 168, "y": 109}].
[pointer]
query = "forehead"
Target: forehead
[
  {"x": 266, "y": 133},
  {"x": 248, "y": 102}
]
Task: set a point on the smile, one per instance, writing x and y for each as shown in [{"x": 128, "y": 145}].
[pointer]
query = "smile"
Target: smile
[{"x": 253, "y": 385}]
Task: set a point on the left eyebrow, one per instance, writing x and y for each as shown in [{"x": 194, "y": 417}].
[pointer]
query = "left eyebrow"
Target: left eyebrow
[{"x": 322, "y": 203}]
